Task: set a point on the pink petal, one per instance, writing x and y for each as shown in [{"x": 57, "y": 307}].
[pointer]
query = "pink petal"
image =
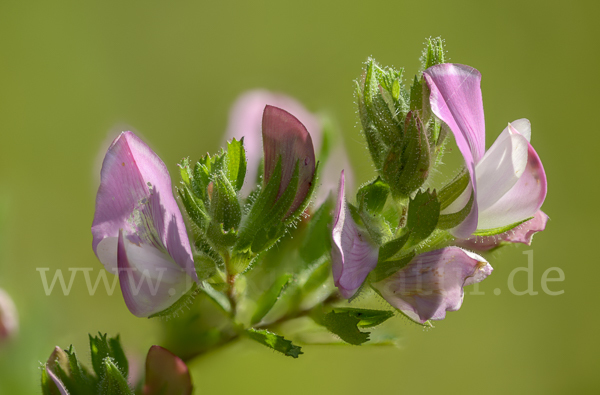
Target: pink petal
[
  {"x": 284, "y": 136},
  {"x": 432, "y": 283},
  {"x": 166, "y": 374},
  {"x": 9, "y": 321},
  {"x": 353, "y": 256},
  {"x": 150, "y": 281},
  {"x": 456, "y": 99},
  {"x": 245, "y": 120},
  {"x": 59, "y": 385},
  {"x": 524, "y": 199},
  {"x": 135, "y": 194},
  {"x": 521, "y": 234}
]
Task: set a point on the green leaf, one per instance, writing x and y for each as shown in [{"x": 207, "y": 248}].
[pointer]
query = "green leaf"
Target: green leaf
[
  {"x": 119, "y": 355},
  {"x": 113, "y": 382},
  {"x": 387, "y": 268},
  {"x": 497, "y": 231},
  {"x": 219, "y": 298},
  {"x": 454, "y": 189},
  {"x": 267, "y": 300},
  {"x": 390, "y": 248},
  {"x": 101, "y": 348},
  {"x": 276, "y": 342},
  {"x": 423, "y": 216},
  {"x": 236, "y": 163},
  {"x": 316, "y": 274},
  {"x": 368, "y": 318},
  {"x": 377, "y": 148},
  {"x": 194, "y": 207},
  {"x": 345, "y": 325},
  {"x": 317, "y": 240},
  {"x": 185, "y": 171},
  {"x": 372, "y": 196},
  {"x": 449, "y": 221},
  {"x": 433, "y": 53}
]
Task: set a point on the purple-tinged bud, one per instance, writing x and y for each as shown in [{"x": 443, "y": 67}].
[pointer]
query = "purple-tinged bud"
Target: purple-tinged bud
[
  {"x": 285, "y": 137},
  {"x": 9, "y": 321},
  {"x": 166, "y": 374}
]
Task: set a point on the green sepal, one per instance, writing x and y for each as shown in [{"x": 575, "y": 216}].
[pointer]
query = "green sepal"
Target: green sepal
[
  {"x": 450, "y": 192},
  {"x": 387, "y": 268},
  {"x": 502, "y": 229},
  {"x": 449, "y": 221},
  {"x": 180, "y": 304},
  {"x": 236, "y": 163},
  {"x": 377, "y": 109},
  {"x": 185, "y": 171},
  {"x": 267, "y": 300},
  {"x": 406, "y": 166},
  {"x": 101, "y": 348},
  {"x": 416, "y": 94},
  {"x": 372, "y": 196},
  {"x": 377, "y": 148},
  {"x": 224, "y": 207},
  {"x": 344, "y": 324},
  {"x": 275, "y": 342},
  {"x": 433, "y": 54},
  {"x": 423, "y": 216},
  {"x": 317, "y": 240},
  {"x": 194, "y": 207},
  {"x": 368, "y": 318},
  {"x": 113, "y": 381}
]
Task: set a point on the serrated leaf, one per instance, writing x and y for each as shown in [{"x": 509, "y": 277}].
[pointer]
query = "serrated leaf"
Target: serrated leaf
[
  {"x": 317, "y": 240},
  {"x": 454, "y": 189},
  {"x": 267, "y": 300},
  {"x": 392, "y": 247},
  {"x": 449, "y": 221},
  {"x": 502, "y": 229},
  {"x": 368, "y": 318},
  {"x": 194, "y": 207},
  {"x": 236, "y": 163},
  {"x": 185, "y": 171},
  {"x": 423, "y": 216},
  {"x": 113, "y": 382},
  {"x": 275, "y": 342},
  {"x": 345, "y": 325}
]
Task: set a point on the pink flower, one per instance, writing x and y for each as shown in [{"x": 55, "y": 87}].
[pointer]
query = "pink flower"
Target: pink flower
[
  {"x": 138, "y": 229},
  {"x": 508, "y": 181},
  {"x": 432, "y": 283},
  {"x": 353, "y": 255}
]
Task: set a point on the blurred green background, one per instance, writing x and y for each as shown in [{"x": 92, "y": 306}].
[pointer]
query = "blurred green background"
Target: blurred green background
[{"x": 72, "y": 72}]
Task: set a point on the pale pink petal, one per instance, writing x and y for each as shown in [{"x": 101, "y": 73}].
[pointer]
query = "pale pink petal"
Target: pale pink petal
[
  {"x": 150, "y": 281},
  {"x": 456, "y": 99},
  {"x": 432, "y": 283},
  {"x": 523, "y": 200},
  {"x": 166, "y": 374},
  {"x": 59, "y": 385},
  {"x": 245, "y": 120},
  {"x": 353, "y": 256},
  {"x": 500, "y": 169},
  {"x": 136, "y": 195},
  {"x": 285, "y": 137},
  {"x": 521, "y": 234}
]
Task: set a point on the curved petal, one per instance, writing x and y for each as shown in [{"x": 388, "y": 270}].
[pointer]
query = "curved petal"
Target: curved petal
[
  {"x": 59, "y": 384},
  {"x": 284, "y": 136},
  {"x": 500, "y": 169},
  {"x": 353, "y": 256},
  {"x": 432, "y": 283},
  {"x": 245, "y": 120},
  {"x": 455, "y": 98},
  {"x": 166, "y": 373},
  {"x": 150, "y": 281},
  {"x": 521, "y": 234},
  {"x": 135, "y": 194},
  {"x": 523, "y": 200}
]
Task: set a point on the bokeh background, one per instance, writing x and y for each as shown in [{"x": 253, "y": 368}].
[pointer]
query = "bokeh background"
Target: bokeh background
[{"x": 72, "y": 73}]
